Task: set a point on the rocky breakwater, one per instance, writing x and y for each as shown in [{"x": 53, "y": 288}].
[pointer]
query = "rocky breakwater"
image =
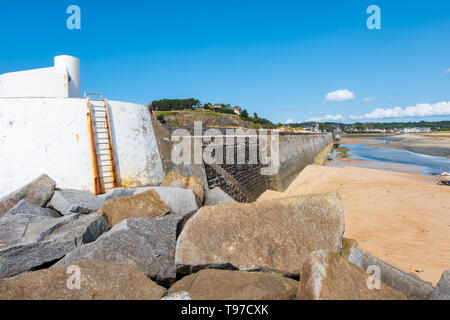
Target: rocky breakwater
[{"x": 181, "y": 241}]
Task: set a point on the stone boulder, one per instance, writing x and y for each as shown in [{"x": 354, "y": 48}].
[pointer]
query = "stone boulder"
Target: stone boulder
[
  {"x": 328, "y": 276},
  {"x": 180, "y": 201},
  {"x": 442, "y": 290},
  {"x": 411, "y": 286},
  {"x": 196, "y": 184},
  {"x": 273, "y": 235},
  {"x": 39, "y": 192},
  {"x": 217, "y": 196},
  {"x": 29, "y": 208},
  {"x": 35, "y": 244},
  {"x": 351, "y": 252},
  {"x": 68, "y": 201},
  {"x": 235, "y": 285},
  {"x": 143, "y": 205},
  {"x": 99, "y": 280},
  {"x": 148, "y": 244},
  {"x": 116, "y": 193}
]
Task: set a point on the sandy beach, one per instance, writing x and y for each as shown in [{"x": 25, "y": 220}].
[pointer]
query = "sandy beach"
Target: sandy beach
[
  {"x": 433, "y": 144},
  {"x": 402, "y": 218}
]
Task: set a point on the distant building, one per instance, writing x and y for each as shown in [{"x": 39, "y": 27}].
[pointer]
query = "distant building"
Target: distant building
[
  {"x": 314, "y": 128},
  {"x": 237, "y": 110},
  {"x": 416, "y": 130},
  {"x": 217, "y": 105}
]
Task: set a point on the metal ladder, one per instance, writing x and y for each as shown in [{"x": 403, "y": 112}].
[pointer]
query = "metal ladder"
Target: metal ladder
[{"x": 102, "y": 147}]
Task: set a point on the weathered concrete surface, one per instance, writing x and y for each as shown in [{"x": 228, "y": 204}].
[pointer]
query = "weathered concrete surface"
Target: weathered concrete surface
[
  {"x": 143, "y": 205},
  {"x": 99, "y": 280},
  {"x": 73, "y": 201},
  {"x": 328, "y": 276},
  {"x": 42, "y": 242},
  {"x": 235, "y": 285},
  {"x": 38, "y": 191},
  {"x": 180, "y": 201},
  {"x": 29, "y": 208},
  {"x": 411, "y": 286},
  {"x": 217, "y": 196},
  {"x": 296, "y": 152},
  {"x": 148, "y": 244},
  {"x": 442, "y": 290},
  {"x": 269, "y": 235},
  {"x": 166, "y": 147}
]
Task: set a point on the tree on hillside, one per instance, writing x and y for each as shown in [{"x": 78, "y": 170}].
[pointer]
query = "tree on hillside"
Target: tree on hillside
[
  {"x": 244, "y": 115},
  {"x": 175, "y": 104},
  {"x": 255, "y": 115}
]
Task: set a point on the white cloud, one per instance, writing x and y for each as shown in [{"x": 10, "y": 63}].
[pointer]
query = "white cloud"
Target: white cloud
[
  {"x": 419, "y": 110},
  {"x": 288, "y": 107},
  {"x": 369, "y": 99},
  {"x": 447, "y": 71},
  {"x": 289, "y": 121},
  {"x": 328, "y": 117},
  {"x": 340, "y": 95}
]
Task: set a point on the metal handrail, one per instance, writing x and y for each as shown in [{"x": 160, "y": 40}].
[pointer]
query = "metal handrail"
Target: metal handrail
[{"x": 93, "y": 93}]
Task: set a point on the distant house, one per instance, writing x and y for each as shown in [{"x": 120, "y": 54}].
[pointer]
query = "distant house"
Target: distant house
[
  {"x": 315, "y": 128},
  {"x": 217, "y": 105},
  {"x": 237, "y": 110},
  {"x": 416, "y": 130}
]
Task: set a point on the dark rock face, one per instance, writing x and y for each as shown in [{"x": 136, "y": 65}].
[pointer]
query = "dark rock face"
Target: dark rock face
[
  {"x": 271, "y": 235},
  {"x": 235, "y": 285},
  {"x": 27, "y": 246},
  {"x": 73, "y": 201},
  {"x": 148, "y": 244},
  {"x": 39, "y": 192},
  {"x": 99, "y": 280},
  {"x": 29, "y": 208}
]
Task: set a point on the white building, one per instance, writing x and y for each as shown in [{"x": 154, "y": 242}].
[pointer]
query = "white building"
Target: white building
[
  {"x": 60, "y": 81},
  {"x": 83, "y": 144}
]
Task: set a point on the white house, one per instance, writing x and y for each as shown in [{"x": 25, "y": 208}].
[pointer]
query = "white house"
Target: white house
[{"x": 60, "y": 81}]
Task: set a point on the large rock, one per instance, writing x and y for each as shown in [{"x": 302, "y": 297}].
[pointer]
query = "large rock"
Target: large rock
[
  {"x": 99, "y": 280},
  {"x": 116, "y": 193},
  {"x": 148, "y": 244},
  {"x": 196, "y": 184},
  {"x": 235, "y": 285},
  {"x": 442, "y": 290},
  {"x": 351, "y": 251},
  {"x": 29, "y": 208},
  {"x": 39, "y": 243},
  {"x": 143, "y": 205},
  {"x": 271, "y": 235},
  {"x": 68, "y": 201},
  {"x": 180, "y": 201},
  {"x": 39, "y": 192},
  {"x": 409, "y": 285},
  {"x": 217, "y": 196},
  {"x": 328, "y": 276}
]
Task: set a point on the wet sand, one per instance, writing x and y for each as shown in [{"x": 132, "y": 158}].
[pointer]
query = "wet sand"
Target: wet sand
[
  {"x": 402, "y": 218},
  {"x": 432, "y": 144}
]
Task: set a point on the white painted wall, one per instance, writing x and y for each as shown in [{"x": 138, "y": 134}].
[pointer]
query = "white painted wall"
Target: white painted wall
[
  {"x": 60, "y": 81},
  {"x": 50, "y": 135},
  {"x": 138, "y": 157}
]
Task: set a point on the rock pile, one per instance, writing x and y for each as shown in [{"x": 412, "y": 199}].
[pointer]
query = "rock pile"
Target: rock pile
[{"x": 179, "y": 241}]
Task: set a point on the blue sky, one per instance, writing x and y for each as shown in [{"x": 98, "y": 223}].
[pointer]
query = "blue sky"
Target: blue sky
[{"x": 280, "y": 59}]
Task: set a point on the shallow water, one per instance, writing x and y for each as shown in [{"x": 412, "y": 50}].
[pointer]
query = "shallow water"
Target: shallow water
[{"x": 426, "y": 164}]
